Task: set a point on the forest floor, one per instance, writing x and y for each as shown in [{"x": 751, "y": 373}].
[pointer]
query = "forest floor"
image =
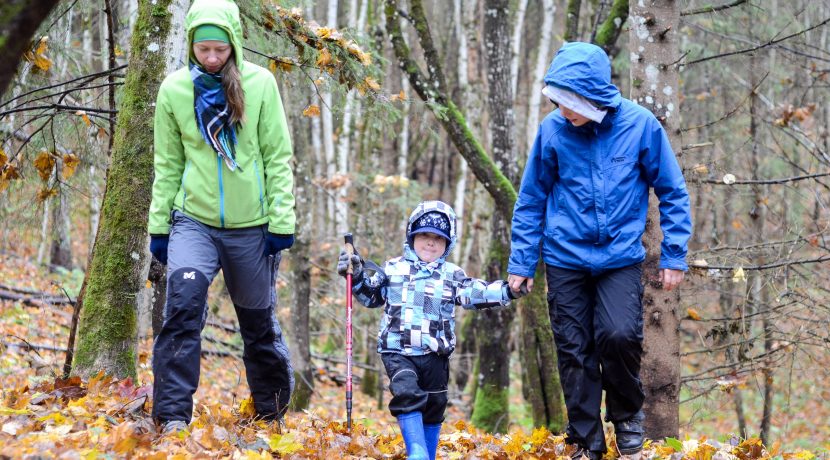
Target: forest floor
[{"x": 44, "y": 416}]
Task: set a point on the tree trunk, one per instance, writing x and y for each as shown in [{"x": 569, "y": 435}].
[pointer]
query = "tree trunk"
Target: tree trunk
[
  {"x": 301, "y": 266},
  {"x": 572, "y": 20},
  {"x": 491, "y": 411},
  {"x": 541, "y": 386},
  {"x": 19, "y": 20},
  {"x": 61, "y": 251},
  {"x": 176, "y": 56},
  {"x": 655, "y": 86},
  {"x": 608, "y": 32},
  {"x": 107, "y": 334}
]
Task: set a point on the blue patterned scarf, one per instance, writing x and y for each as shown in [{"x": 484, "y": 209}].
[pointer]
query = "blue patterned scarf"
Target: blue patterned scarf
[{"x": 212, "y": 114}]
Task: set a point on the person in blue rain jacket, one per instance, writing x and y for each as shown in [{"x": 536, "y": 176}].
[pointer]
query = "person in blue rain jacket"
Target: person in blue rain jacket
[
  {"x": 582, "y": 205},
  {"x": 419, "y": 292}
]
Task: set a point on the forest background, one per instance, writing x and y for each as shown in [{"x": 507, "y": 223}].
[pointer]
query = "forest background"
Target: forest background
[{"x": 393, "y": 102}]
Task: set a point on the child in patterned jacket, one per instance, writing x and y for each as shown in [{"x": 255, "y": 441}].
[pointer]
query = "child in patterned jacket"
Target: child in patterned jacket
[{"x": 419, "y": 291}]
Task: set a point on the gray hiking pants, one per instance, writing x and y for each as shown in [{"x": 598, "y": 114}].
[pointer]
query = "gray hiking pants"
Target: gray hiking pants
[{"x": 195, "y": 254}]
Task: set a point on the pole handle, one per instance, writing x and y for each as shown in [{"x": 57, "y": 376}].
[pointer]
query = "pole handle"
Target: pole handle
[{"x": 349, "y": 240}]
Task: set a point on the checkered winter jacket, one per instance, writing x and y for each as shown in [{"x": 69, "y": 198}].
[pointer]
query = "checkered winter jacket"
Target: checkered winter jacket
[{"x": 419, "y": 298}]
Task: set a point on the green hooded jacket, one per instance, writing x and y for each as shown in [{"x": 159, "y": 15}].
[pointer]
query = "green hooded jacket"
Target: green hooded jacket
[{"x": 191, "y": 178}]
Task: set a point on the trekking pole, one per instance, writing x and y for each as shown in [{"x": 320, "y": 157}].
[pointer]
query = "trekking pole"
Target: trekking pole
[{"x": 349, "y": 250}]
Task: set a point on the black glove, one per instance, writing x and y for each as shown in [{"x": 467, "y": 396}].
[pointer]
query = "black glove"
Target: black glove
[
  {"x": 343, "y": 265},
  {"x": 158, "y": 247},
  {"x": 275, "y": 243}
]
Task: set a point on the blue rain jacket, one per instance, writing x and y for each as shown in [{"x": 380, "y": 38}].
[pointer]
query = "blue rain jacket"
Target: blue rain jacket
[{"x": 584, "y": 193}]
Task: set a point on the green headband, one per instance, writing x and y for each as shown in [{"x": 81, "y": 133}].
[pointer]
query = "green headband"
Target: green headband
[{"x": 207, "y": 32}]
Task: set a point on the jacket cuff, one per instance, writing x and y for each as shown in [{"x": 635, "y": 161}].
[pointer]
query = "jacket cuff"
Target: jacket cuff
[
  {"x": 281, "y": 231},
  {"x": 158, "y": 230},
  {"x": 674, "y": 264}
]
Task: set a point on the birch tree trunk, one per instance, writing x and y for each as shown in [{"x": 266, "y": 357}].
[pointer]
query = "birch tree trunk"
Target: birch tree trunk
[
  {"x": 653, "y": 41},
  {"x": 328, "y": 131},
  {"x": 176, "y": 53},
  {"x": 463, "y": 86},
  {"x": 107, "y": 334}
]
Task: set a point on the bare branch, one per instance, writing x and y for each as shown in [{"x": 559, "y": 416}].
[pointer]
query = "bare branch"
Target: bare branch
[
  {"x": 712, "y": 8},
  {"x": 762, "y": 45},
  {"x": 783, "y": 263},
  {"x": 782, "y": 180}
]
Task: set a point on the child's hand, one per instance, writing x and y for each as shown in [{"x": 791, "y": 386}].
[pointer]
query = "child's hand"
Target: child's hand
[{"x": 343, "y": 264}]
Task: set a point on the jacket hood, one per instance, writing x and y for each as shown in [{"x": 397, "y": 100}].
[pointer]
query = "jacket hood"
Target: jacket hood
[
  {"x": 423, "y": 208},
  {"x": 221, "y": 13},
  {"x": 586, "y": 70}
]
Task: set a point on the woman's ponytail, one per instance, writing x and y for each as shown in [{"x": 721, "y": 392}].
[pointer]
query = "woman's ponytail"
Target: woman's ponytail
[{"x": 232, "y": 84}]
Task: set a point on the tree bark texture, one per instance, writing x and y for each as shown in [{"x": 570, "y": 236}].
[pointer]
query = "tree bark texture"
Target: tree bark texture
[
  {"x": 491, "y": 411},
  {"x": 107, "y": 335},
  {"x": 301, "y": 266},
  {"x": 541, "y": 386},
  {"x": 654, "y": 51},
  {"x": 609, "y": 31},
  {"x": 19, "y": 20}
]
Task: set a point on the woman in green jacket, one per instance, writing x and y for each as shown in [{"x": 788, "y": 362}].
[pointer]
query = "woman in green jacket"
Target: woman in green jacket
[{"x": 222, "y": 198}]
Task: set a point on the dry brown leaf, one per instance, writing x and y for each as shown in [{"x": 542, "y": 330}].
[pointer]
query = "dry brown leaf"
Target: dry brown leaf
[
  {"x": 70, "y": 164},
  {"x": 312, "y": 111},
  {"x": 44, "y": 163}
]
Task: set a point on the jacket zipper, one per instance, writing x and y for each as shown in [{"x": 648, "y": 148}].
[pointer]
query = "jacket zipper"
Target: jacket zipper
[
  {"x": 259, "y": 182},
  {"x": 221, "y": 193},
  {"x": 184, "y": 178}
]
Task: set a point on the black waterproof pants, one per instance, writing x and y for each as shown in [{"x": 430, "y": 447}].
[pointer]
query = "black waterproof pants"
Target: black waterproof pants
[
  {"x": 418, "y": 384},
  {"x": 597, "y": 325}
]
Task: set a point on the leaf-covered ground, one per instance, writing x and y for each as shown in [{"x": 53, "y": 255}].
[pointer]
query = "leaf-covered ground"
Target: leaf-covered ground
[{"x": 44, "y": 416}]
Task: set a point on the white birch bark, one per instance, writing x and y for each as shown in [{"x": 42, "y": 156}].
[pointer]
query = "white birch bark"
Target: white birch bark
[
  {"x": 516, "y": 43},
  {"x": 344, "y": 140},
  {"x": 463, "y": 86},
  {"x": 177, "y": 43},
  {"x": 328, "y": 128},
  {"x": 543, "y": 57},
  {"x": 403, "y": 137},
  {"x": 44, "y": 233}
]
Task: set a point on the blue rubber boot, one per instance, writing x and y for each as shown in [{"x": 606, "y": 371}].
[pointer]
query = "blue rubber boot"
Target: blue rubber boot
[
  {"x": 431, "y": 433},
  {"x": 412, "y": 429}
]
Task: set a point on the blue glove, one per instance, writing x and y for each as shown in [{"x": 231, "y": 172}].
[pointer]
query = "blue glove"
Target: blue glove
[
  {"x": 275, "y": 243},
  {"x": 158, "y": 247}
]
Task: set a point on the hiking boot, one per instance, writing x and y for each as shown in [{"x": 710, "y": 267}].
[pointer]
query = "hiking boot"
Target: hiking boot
[
  {"x": 582, "y": 453},
  {"x": 630, "y": 435},
  {"x": 173, "y": 427}
]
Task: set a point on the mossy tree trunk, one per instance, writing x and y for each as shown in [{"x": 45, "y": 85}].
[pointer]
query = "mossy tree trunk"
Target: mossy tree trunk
[
  {"x": 608, "y": 32},
  {"x": 654, "y": 31},
  {"x": 541, "y": 386},
  {"x": 107, "y": 333},
  {"x": 493, "y": 332},
  {"x": 19, "y": 20}
]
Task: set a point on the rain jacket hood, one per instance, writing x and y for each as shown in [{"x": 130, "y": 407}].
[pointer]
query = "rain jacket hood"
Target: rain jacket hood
[
  {"x": 586, "y": 70},
  {"x": 221, "y": 13},
  {"x": 423, "y": 208}
]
